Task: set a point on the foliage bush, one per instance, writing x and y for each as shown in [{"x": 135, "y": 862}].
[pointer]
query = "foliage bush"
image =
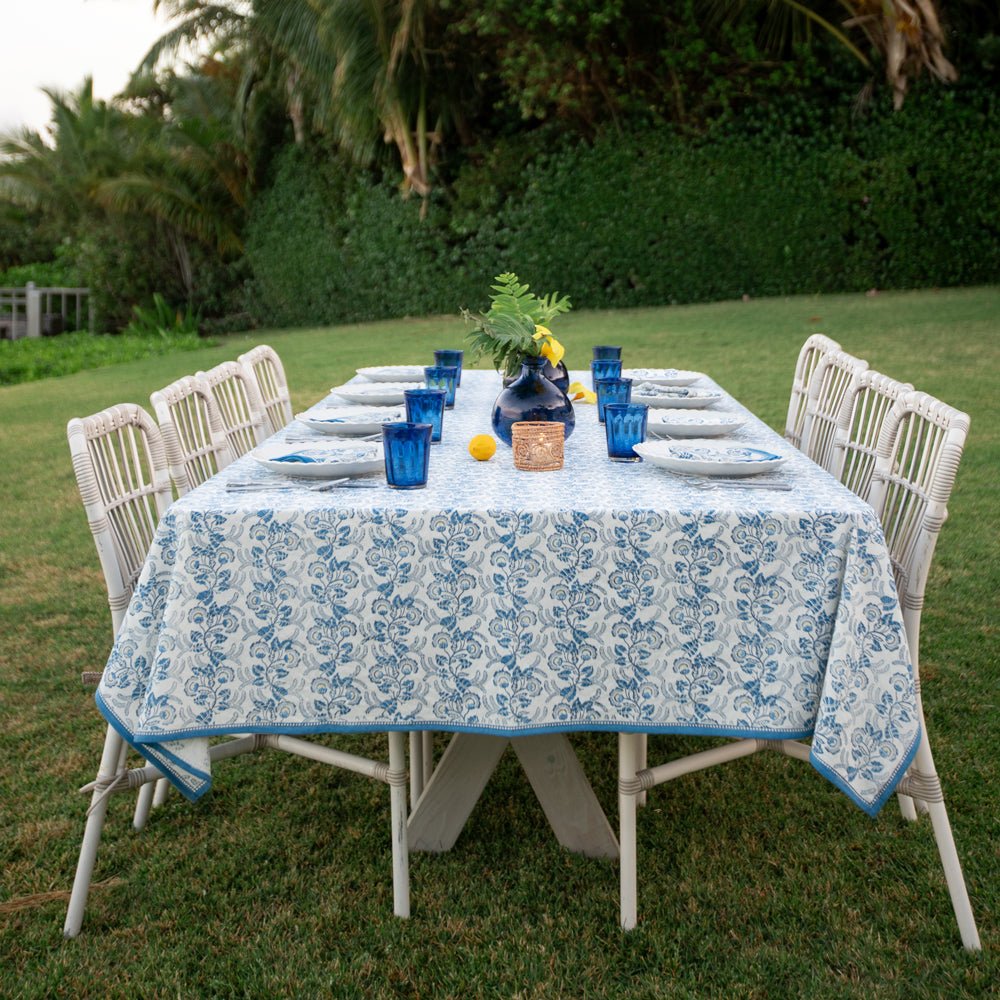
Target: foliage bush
[
  {"x": 30, "y": 360},
  {"x": 788, "y": 199},
  {"x": 58, "y": 273},
  {"x": 161, "y": 320}
]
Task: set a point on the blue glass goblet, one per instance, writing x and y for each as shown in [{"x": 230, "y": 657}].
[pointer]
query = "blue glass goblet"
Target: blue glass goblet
[
  {"x": 407, "y": 452},
  {"x": 604, "y": 368},
  {"x": 612, "y": 390},
  {"x": 426, "y": 406},
  {"x": 442, "y": 377},
  {"x": 624, "y": 426},
  {"x": 451, "y": 359}
]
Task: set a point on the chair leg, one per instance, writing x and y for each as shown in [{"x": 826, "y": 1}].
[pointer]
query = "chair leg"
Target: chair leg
[
  {"x": 112, "y": 762},
  {"x": 397, "y": 808},
  {"x": 925, "y": 774},
  {"x": 907, "y": 808},
  {"x": 143, "y": 803},
  {"x": 160, "y": 795},
  {"x": 629, "y": 749}
]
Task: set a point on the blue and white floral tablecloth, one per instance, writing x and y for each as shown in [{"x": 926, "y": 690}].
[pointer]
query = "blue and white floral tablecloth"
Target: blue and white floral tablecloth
[{"x": 601, "y": 597}]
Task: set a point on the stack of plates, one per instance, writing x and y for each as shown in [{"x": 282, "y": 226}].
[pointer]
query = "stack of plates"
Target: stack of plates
[
  {"x": 674, "y": 396},
  {"x": 393, "y": 373},
  {"x": 375, "y": 393},
  {"x": 700, "y": 457},
  {"x": 324, "y": 460},
  {"x": 662, "y": 376},
  {"x": 692, "y": 423},
  {"x": 349, "y": 421}
]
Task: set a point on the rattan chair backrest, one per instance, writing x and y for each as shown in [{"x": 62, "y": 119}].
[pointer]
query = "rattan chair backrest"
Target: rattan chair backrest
[
  {"x": 121, "y": 471},
  {"x": 919, "y": 450},
  {"x": 859, "y": 424},
  {"x": 815, "y": 347},
  {"x": 265, "y": 367},
  {"x": 834, "y": 378},
  {"x": 235, "y": 393},
  {"x": 193, "y": 435}
]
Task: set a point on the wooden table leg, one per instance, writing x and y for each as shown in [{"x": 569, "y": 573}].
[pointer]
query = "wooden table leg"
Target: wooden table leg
[
  {"x": 453, "y": 791},
  {"x": 565, "y": 795},
  {"x": 555, "y": 774}
]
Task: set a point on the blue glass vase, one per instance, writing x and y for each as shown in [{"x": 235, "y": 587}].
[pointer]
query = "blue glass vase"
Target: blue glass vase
[
  {"x": 559, "y": 374},
  {"x": 531, "y": 396}
]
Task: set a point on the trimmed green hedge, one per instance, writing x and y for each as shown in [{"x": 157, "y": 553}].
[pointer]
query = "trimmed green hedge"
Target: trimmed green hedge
[{"x": 891, "y": 201}]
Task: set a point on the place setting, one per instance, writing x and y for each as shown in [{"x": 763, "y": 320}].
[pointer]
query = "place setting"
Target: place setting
[
  {"x": 707, "y": 463},
  {"x": 679, "y": 396},
  {"x": 350, "y": 421}
]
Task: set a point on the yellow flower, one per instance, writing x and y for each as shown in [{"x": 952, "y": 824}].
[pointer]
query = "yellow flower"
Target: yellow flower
[
  {"x": 579, "y": 393},
  {"x": 541, "y": 331},
  {"x": 553, "y": 350}
]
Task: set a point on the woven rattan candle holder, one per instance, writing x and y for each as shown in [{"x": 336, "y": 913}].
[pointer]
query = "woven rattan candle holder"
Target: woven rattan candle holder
[{"x": 538, "y": 445}]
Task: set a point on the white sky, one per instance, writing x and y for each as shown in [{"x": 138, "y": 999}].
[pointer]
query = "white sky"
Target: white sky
[{"x": 56, "y": 43}]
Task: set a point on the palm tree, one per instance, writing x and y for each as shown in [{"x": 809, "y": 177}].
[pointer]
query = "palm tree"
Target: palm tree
[
  {"x": 359, "y": 70},
  {"x": 906, "y": 35},
  {"x": 88, "y": 141}
]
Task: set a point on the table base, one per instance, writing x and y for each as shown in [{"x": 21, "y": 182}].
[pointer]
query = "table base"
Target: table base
[{"x": 556, "y": 777}]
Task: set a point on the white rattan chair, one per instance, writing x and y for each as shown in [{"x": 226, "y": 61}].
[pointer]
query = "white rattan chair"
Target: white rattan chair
[
  {"x": 812, "y": 351},
  {"x": 835, "y": 377},
  {"x": 265, "y": 367},
  {"x": 193, "y": 435},
  {"x": 859, "y": 424},
  {"x": 240, "y": 406},
  {"x": 918, "y": 451},
  {"x": 121, "y": 469},
  {"x": 121, "y": 472}
]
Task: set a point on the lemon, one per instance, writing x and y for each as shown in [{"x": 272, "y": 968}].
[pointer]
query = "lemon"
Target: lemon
[{"x": 482, "y": 447}]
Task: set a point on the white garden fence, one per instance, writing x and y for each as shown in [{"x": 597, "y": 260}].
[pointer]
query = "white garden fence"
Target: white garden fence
[{"x": 34, "y": 312}]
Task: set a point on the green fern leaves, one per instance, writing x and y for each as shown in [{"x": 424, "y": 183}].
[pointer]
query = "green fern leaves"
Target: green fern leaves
[{"x": 506, "y": 332}]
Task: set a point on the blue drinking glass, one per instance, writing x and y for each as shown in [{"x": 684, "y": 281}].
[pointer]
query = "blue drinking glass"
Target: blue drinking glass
[
  {"x": 606, "y": 353},
  {"x": 604, "y": 368},
  {"x": 612, "y": 390},
  {"x": 625, "y": 426},
  {"x": 442, "y": 377},
  {"x": 407, "y": 451},
  {"x": 451, "y": 359},
  {"x": 426, "y": 406}
]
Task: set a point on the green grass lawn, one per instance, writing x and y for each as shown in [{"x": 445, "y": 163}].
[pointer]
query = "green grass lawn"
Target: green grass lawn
[{"x": 758, "y": 880}]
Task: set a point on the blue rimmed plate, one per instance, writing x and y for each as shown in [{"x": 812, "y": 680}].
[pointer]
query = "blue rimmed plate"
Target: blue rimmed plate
[
  {"x": 323, "y": 460},
  {"x": 692, "y": 423},
  {"x": 662, "y": 376},
  {"x": 393, "y": 373},
  {"x": 674, "y": 396},
  {"x": 348, "y": 421},
  {"x": 375, "y": 393},
  {"x": 702, "y": 457}
]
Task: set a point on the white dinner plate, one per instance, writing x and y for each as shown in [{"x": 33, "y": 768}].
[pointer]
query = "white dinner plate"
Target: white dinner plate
[
  {"x": 699, "y": 457},
  {"x": 662, "y": 376},
  {"x": 323, "y": 460},
  {"x": 347, "y": 421},
  {"x": 393, "y": 373},
  {"x": 692, "y": 423},
  {"x": 670, "y": 396},
  {"x": 375, "y": 393}
]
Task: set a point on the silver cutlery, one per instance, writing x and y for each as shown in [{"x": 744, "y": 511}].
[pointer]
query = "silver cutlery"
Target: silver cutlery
[
  {"x": 319, "y": 487},
  {"x": 703, "y": 483},
  {"x": 325, "y": 438}
]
